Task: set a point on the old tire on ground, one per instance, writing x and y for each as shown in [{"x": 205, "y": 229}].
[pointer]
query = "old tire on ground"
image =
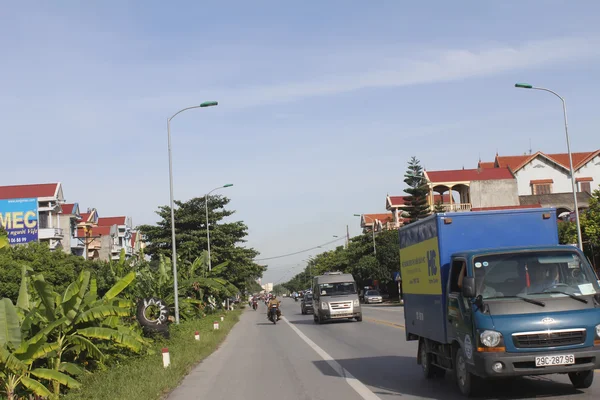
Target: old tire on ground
[
  {"x": 582, "y": 380},
  {"x": 153, "y": 322}
]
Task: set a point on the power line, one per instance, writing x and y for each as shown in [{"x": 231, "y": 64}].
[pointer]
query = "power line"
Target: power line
[{"x": 301, "y": 251}]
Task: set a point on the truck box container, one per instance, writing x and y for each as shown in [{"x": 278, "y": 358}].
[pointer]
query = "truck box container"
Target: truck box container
[{"x": 426, "y": 247}]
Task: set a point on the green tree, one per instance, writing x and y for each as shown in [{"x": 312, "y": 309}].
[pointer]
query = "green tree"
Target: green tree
[
  {"x": 58, "y": 268},
  {"x": 226, "y": 239},
  {"x": 438, "y": 207},
  {"x": 590, "y": 230},
  {"x": 417, "y": 191}
]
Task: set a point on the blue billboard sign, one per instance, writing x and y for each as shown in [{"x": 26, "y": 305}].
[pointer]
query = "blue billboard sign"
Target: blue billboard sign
[{"x": 19, "y": 218}]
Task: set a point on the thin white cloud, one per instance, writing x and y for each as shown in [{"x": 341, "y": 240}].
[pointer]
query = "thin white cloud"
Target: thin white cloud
[{"x": 409, "y": 69}]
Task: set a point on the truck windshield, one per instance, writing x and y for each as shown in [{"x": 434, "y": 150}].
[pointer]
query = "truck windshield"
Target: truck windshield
[
  {"x": 337, "y": 289},
  {"x": 535, "y": 274}
]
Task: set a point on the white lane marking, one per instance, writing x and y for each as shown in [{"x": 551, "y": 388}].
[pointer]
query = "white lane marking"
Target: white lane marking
[
  {"x": 392, "y": 309},
  {"x": 354, "y": 383}
]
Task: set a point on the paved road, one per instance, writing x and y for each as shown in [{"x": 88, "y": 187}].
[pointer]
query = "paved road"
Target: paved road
[{"x": 297, "y": 359}]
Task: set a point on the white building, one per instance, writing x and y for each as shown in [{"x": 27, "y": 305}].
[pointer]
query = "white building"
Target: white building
[
  {"x": 542, "y": 173},
  {"x": 545, "y": 179}
]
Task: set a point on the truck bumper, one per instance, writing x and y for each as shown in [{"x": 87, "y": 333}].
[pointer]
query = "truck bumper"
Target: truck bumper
[
  {"x": 326, "y": 315},
  {"x": 523, "y": 364}
]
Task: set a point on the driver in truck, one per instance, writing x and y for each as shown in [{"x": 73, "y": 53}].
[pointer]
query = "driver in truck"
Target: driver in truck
[{"x": 542, "y": 277}]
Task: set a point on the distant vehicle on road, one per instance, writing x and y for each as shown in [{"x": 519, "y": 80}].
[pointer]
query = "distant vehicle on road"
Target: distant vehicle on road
[
  {"x": 373, "y": 296},
  {"x": 335, "y": 296},
  {"x": 307, "y": 304}
]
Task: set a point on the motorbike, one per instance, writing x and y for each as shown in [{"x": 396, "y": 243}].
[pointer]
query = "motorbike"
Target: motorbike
[
  {"x": 254, "y": 305},
  {"x": 296, "y": 298},
  {"x": 273, "y": 314}
]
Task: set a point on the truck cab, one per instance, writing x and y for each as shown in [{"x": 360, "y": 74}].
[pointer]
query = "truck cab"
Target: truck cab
[
  {"x": 523, "y": 311},
  {"x": 493, "y": 295}
]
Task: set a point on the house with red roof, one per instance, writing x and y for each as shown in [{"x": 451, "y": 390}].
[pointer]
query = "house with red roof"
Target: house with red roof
[
  {"x": 464, "y": 189},
  {"x": 397, "y": 205},
  {"x": 545, "y": 178},
  {"x": 379, "y": 222},
  {"x": 69, "y": 219},
  {"x": 32, "y": 213},
  {"x": 121, "y": 240}
]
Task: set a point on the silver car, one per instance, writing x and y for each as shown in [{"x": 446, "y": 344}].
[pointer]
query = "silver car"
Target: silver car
[{"x": 373, "y": 296}]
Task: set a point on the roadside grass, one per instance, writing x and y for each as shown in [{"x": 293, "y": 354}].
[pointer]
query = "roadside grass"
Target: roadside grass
[{"x": 145, "y": 377}]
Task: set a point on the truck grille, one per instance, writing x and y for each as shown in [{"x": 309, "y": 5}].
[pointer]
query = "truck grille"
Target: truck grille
[
  {"x": 341, "y": 306},
  {"x": 532, "y": 340}
]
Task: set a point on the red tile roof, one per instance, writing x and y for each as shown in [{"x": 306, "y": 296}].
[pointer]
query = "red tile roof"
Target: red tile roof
[
  {"x": 110, "y": 221},
  {"x": 397, "y": 201},
  {"x": 467, "y": 175},
  {"x": 67, "y": 208},
  {"x": 86, "y": 216},
  {"x": 28, "y": 191},
  {"x": 133, "y": 237},
  {"x": 512, "y": 162},
  {"x": 383, "y": 218},
  {"x": 517, "y": 162},
  {"x": 483, "y": 164},
  {"x": 579, "y": 159}
]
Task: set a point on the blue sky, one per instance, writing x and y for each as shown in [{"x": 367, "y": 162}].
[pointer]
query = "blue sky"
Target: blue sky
[{"x": 321, "y": 104}]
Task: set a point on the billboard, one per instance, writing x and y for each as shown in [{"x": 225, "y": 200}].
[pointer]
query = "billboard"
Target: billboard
[{"x": 19, "y": 218}]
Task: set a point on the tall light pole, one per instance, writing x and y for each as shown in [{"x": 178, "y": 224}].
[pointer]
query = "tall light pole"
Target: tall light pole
[
  {"x": 372, "y": 230},
  {"x": 207, "y": 223},
  {"x": 174, "y": 251},
  {"x": 573, "y": 184}
]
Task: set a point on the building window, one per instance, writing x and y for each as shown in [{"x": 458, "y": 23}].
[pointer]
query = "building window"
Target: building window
[
  {"x": 542, "y": 188},
  {"x": 585, "y": 187}
]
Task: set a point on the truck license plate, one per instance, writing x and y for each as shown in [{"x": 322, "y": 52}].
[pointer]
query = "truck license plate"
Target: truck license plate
[{"x": 565, "y": 359}]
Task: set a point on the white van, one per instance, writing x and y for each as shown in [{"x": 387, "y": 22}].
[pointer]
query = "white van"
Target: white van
[{"x": 335, "y": 296}]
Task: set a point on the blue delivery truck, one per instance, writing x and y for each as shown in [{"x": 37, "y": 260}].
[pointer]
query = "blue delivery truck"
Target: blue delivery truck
[{"x": 493, "y": 294}]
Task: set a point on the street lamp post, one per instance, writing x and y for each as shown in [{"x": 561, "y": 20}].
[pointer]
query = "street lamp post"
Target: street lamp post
[
  {"x": 372, "y": 230},
  {"x": 174, "y": 251},
  {"x": 208, "y": 224},
  {"x": 573, "y": 184}
]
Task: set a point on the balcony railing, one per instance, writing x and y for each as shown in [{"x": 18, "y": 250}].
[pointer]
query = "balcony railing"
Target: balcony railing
[
  {"x": 50, "y": 233},
  {"x": 456, "y": 207}
]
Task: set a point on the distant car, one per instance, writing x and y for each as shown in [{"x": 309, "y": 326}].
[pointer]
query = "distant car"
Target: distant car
[
  {"x": 306, "y": 305},
  {"x": 373, "y": 296}
]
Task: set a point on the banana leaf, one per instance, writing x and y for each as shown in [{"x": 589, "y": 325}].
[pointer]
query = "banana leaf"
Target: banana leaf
[
  {"x": 36, "y": 387},
  {"x": 101, "y": 312},
  {"x": 85, "y": 344},
  {"x": 46, "y": 295},
  {"x": 71, "y": 368},
  {"x": 119, "y": 286},
  {"x": 10, "y": 329},
  {"x": 53, "y": 375}
]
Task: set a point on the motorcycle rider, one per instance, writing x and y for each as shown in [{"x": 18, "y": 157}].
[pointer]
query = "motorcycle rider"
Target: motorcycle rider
[{"x": 274, "y": 301}]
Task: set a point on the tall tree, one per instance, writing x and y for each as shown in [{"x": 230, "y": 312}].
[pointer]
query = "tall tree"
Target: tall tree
[
  {"x": 226, "y": 239},
  {"x": 417, "y": 191}
]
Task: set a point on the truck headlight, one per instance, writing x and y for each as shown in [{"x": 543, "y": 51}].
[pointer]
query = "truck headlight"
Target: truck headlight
[
  {"x": 356, "y": 304},
  {"x": 490, "y": 338},
  {"x": 598, "y": 331},
  {"x": 323, "y": 306}
]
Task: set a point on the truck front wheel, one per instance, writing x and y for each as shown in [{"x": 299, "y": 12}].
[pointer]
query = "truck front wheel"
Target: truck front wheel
[
  {"x": 582, "y": 380},
  {"x": 468, "y": 384}
]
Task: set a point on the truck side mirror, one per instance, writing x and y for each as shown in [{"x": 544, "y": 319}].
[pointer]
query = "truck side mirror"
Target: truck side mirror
[{"x": 468, "y": 287}]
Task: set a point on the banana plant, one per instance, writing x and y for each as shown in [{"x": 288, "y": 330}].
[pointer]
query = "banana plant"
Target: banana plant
[{"x": 63, "y": 329}]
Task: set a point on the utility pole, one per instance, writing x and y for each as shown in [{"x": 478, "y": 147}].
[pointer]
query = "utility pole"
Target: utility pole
[{"x": 347, "y": 236}]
